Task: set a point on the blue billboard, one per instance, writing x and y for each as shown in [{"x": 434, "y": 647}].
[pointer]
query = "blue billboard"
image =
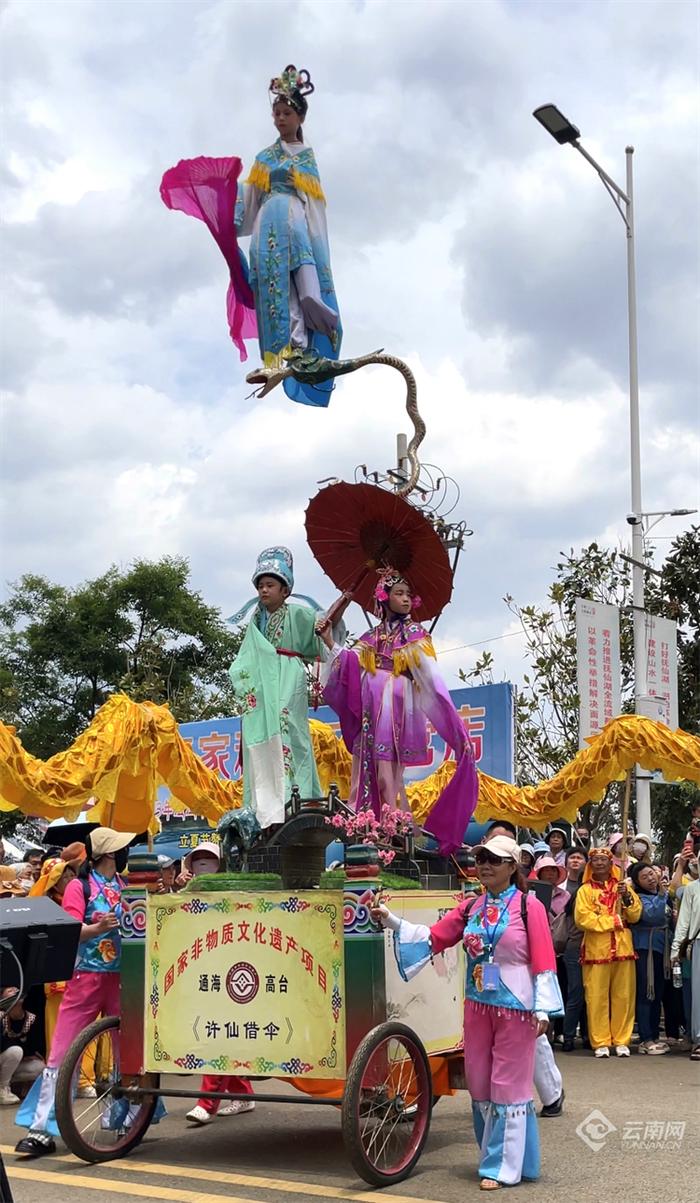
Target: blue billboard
[{"x": 487, "y": 711}]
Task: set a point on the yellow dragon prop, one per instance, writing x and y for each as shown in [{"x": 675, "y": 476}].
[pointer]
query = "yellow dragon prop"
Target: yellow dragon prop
[{"x": 132, "y": 748}]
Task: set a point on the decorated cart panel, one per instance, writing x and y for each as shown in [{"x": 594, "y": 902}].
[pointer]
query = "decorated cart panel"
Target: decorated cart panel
[{"x": 246, "y": 984}]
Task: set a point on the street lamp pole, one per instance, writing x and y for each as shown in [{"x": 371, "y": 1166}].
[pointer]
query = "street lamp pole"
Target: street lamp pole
[
  {"x": 564, "y": 132},
  {"x": 643, "y": 791}
]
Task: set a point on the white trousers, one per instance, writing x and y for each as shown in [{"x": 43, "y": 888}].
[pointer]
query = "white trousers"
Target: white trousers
[
  {"x": 306, "y": 309},
  {"x": 548, "y": 1080}
]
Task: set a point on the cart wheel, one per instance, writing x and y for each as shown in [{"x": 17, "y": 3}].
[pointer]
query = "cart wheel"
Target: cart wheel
[
  {"x": 387, "y": 1104},
  {"x": 102, "y": 1127}
]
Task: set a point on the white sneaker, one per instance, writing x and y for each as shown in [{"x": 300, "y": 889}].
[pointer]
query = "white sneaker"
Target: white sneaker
[
  {"x": 602, "y": 1052},
  {"x": 199, "y": 1116},
  {"x": 237, "y": 1107},
  {"x": 7, "y": 1098},
  {"x": 621, "y": 1050},
  {"x": 86, "y": 1092},
  {"x": 653, "y": 1048}
]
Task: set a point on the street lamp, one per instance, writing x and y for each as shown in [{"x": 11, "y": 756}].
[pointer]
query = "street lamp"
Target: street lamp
[{"x": 562, "y": 130}]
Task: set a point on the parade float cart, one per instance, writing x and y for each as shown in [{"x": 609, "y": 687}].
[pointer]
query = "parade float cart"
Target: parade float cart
[{"x": 299, "y": 986}]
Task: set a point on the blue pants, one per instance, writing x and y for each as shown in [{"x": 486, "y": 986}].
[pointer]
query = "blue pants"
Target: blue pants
[{"x": 649, "y": 1009}]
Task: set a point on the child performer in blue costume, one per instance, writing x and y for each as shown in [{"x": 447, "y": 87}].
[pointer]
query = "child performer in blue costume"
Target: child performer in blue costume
[
  {"x": 288, "y": 296},
  {"x": 284, "y": 210}
]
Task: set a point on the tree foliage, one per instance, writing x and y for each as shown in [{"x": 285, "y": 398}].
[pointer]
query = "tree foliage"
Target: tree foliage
[
  {"x": 548, "y": 703},
  {"x": 142, "y": 631}
]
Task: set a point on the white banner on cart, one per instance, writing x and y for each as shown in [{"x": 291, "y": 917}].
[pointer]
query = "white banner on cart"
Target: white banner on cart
[
  {"x": 433, "y": 1002},
  {"x": 598, "y": 666}
]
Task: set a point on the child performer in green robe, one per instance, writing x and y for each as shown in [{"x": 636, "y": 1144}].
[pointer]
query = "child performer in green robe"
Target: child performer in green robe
[{"x": 270, "y": 680}]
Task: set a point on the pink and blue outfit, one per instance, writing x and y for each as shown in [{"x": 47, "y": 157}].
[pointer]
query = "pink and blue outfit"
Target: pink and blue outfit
[
  {"x": 385, "y": 691},
  {"x": 511, "y": 983},
  {"x": 92, "y": 991}
]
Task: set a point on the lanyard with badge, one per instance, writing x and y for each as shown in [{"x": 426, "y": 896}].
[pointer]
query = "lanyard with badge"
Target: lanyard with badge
[{"x": 491, "y": 971}]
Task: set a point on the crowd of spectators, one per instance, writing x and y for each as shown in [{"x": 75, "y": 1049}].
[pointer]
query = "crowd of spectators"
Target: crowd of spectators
[{"x": 624, "y": 926}]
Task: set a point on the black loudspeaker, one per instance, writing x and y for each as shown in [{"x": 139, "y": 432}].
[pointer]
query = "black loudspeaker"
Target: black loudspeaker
[{"x": 43, "y": 938}]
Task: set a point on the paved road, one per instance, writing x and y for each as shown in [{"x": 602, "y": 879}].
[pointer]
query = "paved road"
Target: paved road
[{"x": 283, "y": 1154}]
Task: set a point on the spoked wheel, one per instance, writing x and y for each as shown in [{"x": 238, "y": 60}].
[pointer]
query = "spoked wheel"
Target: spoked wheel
[
  {"x": 387, "y": 1104},
  {"x": 95, "y": 1124}
]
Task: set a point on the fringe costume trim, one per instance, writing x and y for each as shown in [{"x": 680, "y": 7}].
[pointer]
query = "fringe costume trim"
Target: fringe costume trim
[
  {"x": 403, "y": 659},
  {"x": 259, "y": 176},
  {"x": 527, "y": 1107},
  {"x": 310, "y": 185},
  {"x": 501, "y": 1012}
]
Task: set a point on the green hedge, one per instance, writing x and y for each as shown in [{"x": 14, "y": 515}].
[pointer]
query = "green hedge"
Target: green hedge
[
  {"x": 234, "y": 881},
  {"x": 332, "y": 879}
]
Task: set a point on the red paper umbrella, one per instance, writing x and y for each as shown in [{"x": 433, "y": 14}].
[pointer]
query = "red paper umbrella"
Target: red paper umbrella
[{"x": 353, "y": 530}]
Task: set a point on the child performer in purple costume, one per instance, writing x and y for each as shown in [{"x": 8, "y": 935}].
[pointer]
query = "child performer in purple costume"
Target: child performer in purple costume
[{"x": 385, "y": 691}]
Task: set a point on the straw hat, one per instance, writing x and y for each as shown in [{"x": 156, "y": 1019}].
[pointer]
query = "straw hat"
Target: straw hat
[
  {"x": 9, "y": 882},
  {"x": 104, "y": 840}
]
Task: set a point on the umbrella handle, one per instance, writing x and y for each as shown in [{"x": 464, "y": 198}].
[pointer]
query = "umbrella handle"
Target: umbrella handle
[{"x": 340, "y": 605}]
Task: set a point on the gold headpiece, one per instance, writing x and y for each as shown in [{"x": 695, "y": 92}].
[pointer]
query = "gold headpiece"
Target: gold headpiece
[{"x": 292, "y": 86}]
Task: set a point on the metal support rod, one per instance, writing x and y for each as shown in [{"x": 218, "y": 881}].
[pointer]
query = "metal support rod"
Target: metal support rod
[
  {"x": 607, "y": 179},
  {"x": 643, "y": 792},
  {"x": 138, "y": 1092},
  {"x": 401, "y": 456}
]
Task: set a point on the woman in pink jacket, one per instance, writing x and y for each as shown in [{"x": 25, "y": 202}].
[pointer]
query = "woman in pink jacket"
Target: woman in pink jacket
[{"x": 511, "y": 990}]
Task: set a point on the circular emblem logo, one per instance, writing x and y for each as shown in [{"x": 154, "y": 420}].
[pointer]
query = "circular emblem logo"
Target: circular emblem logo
[{"x": 242, "y": 982}]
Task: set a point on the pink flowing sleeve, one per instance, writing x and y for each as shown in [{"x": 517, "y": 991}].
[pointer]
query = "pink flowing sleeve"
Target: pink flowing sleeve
[
  {"x": 343, "y": 693},
  {"x": 207, "y": 189},
  {"x": 450, "y": 816}
]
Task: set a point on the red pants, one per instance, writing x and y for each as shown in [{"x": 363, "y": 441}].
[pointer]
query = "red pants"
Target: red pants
[{"x": 222, "y": 1082}]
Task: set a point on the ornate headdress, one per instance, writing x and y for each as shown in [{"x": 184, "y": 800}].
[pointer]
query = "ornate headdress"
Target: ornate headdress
[
  {"x": 275, "y": 561},
  {"x": 388, "y": 577},
  {"x": 292, "y": 86}
]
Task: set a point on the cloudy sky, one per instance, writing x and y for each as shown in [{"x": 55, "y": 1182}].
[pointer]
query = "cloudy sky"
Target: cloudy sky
[{"x": 463, "y": 239}]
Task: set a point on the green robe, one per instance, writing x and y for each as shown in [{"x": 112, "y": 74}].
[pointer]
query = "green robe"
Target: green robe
[{"x": 273, "y": 694}]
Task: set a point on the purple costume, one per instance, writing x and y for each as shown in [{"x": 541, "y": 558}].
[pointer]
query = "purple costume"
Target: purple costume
[{"x": 385, "y": 691}]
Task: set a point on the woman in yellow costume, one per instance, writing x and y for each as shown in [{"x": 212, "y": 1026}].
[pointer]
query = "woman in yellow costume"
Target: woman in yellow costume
[{"x": 605, "y": 908}]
